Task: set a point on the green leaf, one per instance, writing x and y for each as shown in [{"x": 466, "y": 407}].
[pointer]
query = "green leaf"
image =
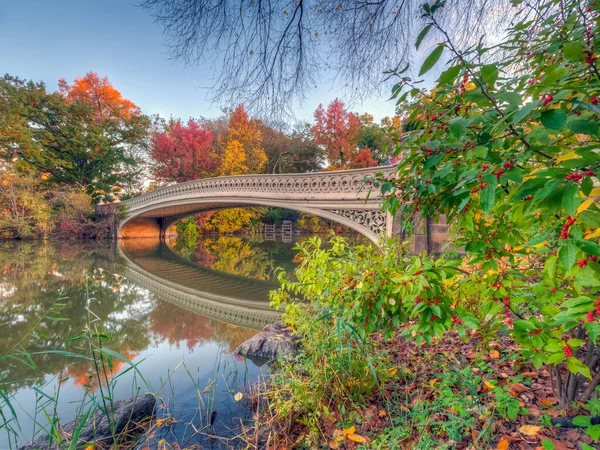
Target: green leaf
[
  {"x": 571, "y": 199},
  {"x": 449, "y": 75},
  {"x": 431, "y": 59},
  {"x": 576, "y": 366},
  {"x": 590, "y": 247},
  {"x": 487, "y": 197},
  {"x": 422, "y": 35},
  {"x": 555, "y": 119},
  {"x": 525, "y": 111},
  {"x": 547, "y": 444},
  {"x": 582, "y": 421},
  {"x": 584, "y": 127},
  {"x": 567, "y": 255},
  {"x": 591, "y": 219},
  {"x": 458, "y": 127},
  {"x": 489, "y": 73},
  {"x": 586, "y": 447},
  {"x": 594, "y": 432},
  {"x": 512, "y": 98},
  {"x": 593, "y": 108},
  {"x": 557, "y": 358}
]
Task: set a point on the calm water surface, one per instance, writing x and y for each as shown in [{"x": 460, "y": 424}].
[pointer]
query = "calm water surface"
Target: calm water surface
[{"x": 178, "y": 310}]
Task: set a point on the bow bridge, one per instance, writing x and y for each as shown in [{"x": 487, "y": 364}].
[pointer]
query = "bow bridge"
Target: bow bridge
[{"x": 341, "y": 196}]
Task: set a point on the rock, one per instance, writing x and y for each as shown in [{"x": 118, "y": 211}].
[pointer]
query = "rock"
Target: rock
[
  {"x": 273, "y": 342},
  {"x": 126, "y": 414}
]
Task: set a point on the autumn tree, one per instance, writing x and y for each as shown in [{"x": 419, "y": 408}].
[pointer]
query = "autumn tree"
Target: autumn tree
[
  {"x": 364, "y": 158},
  {"x": 182, "y": 152},
  {"x": 336, "y": 130},
  {"x": 69, "y": 136},
  {"x": 247, "y": 133},
  {"x": 106, "y": 103},
  {"x": 234, "y": 158}
]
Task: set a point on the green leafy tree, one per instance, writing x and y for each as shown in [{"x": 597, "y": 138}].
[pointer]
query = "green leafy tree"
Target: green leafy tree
[
  {"x": 506, "y": 146},
  {"x": 86, "y": 135}
]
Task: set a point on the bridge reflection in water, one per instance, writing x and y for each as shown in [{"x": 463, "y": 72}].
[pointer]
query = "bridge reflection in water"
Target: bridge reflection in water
[{"x": 210, "y": 293}]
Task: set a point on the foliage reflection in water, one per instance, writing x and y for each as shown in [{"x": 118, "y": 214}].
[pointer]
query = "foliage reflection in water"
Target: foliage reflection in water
[{"x": 180, "y": 354}]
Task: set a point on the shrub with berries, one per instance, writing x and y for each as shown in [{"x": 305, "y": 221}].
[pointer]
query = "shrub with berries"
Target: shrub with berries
[{"x": 511, "y": 159}]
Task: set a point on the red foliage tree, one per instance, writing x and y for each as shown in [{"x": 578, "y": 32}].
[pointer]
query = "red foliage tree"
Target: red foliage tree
[
  {"x": 182, "y": 152},
  {"x": 364, "y": 158},
  {"x": 336, "y": 130}
]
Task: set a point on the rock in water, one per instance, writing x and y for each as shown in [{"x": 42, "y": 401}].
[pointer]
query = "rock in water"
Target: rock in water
[
  {"x": 125, "y": 415},
  {"x": 273, "y": 342}
]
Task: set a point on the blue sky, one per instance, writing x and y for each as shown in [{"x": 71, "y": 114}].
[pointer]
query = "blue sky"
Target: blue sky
[{"x": 48, "y": 39}]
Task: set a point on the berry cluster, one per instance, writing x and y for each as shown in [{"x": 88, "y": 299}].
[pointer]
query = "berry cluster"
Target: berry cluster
[{"x": 567, "y": 227}]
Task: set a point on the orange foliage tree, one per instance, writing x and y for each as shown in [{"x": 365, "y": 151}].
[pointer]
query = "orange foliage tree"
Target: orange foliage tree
[{"x": 106, "y": 102}]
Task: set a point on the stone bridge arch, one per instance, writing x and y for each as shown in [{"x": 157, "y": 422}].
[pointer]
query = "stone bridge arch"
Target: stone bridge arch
[{"x": 341, "y": 196}]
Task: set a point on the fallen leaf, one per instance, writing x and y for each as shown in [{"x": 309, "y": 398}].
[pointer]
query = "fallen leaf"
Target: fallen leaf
[
  {"x": 503, "y": 444},
  {"x": 529, "y": 430},
  {"x": 237, "y": 397},
  {"x": 488, "y": 385},
  {"x": 357, "y": 438},
  {"x": 392, "y": 371},
  {"x": 382, "y": 413},
  {"x": 350, "y": 430},
  {"x": 494, "y": 354},
  {"x": 533, "y": 375}
]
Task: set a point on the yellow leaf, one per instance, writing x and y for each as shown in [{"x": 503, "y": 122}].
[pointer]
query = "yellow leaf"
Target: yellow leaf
[
  {"x": 489, "y": 385},
  {"x": 586, "y": 204},
  {"x": 503, "y": 444},
  {"x": 392, "y": 371},
  {"x": 529, "y": 430},
  {"x": 566, "y": 156},
  {"x": 494, "y": 354},
  {"x": 357, "y": 438},
  {"x": 594, "y": 234},
  {"x": 162, "y": 442},
  {"x": 382, "y": 413},
  {"x": 237, "y": 397},
  {"x": 89, "y": 447},
  {"x": 351, "y": 430},
  {"x": 159, "y": 422}
]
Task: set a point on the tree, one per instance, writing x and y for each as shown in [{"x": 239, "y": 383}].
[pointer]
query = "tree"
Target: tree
[
  {"x": 233, "y": 160},
  {"x": 364, "y": 158},
  {"x": 247, "y": 134},
  {"x": 69, "y": 138},
  {"x": 105, "y": 101},
  {"x": 294, "y": 152},
  {"x": 507, "y": 150},
  {"x": 271, "y": 53},
  {"x": 182, "y": 152},
  {"x": 336, "y": 130}
]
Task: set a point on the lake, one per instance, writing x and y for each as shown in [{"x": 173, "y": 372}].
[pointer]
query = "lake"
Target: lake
[{"x": 175, "y": 310}]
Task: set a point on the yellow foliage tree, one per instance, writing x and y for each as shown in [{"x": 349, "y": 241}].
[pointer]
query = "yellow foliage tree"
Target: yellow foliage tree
[
  {"x": 247, "y": 133},
  {"x": 233, "y": 160}
]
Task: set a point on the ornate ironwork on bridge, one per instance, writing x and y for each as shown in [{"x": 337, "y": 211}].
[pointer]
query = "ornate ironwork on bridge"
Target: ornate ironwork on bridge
[{"x": 341, "y": 196}]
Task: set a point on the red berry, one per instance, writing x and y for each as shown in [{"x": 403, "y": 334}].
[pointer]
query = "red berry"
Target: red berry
[
  {"x": 594, "y": 100},
  {"x": 567, "y": 351}
]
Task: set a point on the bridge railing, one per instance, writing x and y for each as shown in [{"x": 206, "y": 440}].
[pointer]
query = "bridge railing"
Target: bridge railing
[{"x": 349, "y": 183}]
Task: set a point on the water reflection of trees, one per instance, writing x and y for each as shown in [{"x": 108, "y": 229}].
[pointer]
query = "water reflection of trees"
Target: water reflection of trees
[
  {"x": 177, "y": 326},
  {"x": 247, "y": 256},
  {"x": 34, "y": 275}
]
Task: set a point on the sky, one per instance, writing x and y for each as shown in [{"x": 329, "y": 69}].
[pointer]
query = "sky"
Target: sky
[{"x": 45, "y": 40}]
